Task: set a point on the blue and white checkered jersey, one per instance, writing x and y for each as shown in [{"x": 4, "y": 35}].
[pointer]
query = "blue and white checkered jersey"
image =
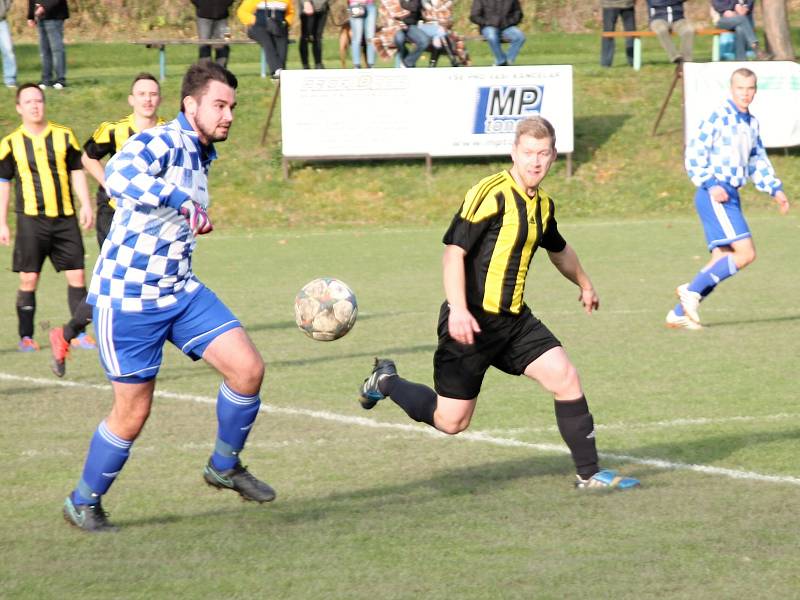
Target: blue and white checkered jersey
[
  {"x": 145, "y": 263},
  {"x": 727, "y": 148}
]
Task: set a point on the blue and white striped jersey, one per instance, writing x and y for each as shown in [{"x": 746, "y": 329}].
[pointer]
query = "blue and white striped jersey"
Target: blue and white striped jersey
[
  {"x": 146, "y": 260},
  {"x": 727, "y": 148}
]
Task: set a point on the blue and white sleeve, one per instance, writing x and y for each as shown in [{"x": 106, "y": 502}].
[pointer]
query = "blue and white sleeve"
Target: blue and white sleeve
[
  {"x": 135, "y": 172},
  {"x": 697, "y": 158},
  {"x": 759, "y": 168}
]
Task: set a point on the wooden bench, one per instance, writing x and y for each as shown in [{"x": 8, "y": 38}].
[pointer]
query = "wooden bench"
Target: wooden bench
[
  {"x": 637, "y": 42},
  {"x": 161, "y": 45}
]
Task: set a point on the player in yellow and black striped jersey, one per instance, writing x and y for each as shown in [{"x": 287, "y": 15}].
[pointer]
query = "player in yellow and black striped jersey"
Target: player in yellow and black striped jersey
[
  {"x": 485, "y": 322},
  {"x": 108, "y": 139},
  {"x": 44, "y": 160}
]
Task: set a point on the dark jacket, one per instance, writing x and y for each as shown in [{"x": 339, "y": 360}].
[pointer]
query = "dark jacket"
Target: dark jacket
[
  {"x": 212, "y": 9},
  {"x": 495, "y": 13},
  {"x": 665, "y": 10},
  {"x": 53, "y": 9},
  {"x": 414, "y": 8},
  {"x": 722, "y": 5}
]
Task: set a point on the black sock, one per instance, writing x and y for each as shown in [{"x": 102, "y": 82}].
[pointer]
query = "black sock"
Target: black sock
[
  {"x": 26, "y": 308},
  {"x": 577, "y": 429},
  {"x": 419, "y": 401},
  {"x": 81, "y": 317}
]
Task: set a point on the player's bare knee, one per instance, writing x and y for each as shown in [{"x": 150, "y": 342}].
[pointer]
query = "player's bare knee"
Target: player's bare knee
[
  {"x": 564, "y": 381},
  {"x": 450, "y": 425},
  {"x": 744, "y": 258},
  {"x": 127, "y": 423},
  {"x": 248, "y": 374}
]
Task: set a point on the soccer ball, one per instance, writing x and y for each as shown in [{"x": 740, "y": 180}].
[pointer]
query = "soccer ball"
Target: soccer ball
[{"x": 325, "y": 309}]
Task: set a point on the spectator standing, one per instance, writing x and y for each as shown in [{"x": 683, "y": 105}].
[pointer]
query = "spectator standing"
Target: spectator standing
[
  {"x": 497, "y": 21},
  {"x": 7, "y": 47},
  {"x": 737, "y": 16},
  {"x": 48, "y": 17},
  {"x": 613, "y": 10},
  {"x": 363, "y": 17},
  {"x": 268, "y": 24},
  {"x": 667, "y": 16},
  {"x": 313, "y": 15},
  {"x": 212, "y": 24}
]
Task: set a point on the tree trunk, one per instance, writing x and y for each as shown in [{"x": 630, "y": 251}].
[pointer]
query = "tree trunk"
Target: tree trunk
[{"x": 776, "y": 28}]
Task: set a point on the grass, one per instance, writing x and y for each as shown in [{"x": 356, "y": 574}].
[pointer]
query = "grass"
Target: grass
[
  {"x": 370, "y": 506},
  {"x": 374, "y": 508}
]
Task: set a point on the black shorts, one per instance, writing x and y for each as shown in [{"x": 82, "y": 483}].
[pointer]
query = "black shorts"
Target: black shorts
[
  {"x": 507, "y": 342},
  {"x": 102, "y": 223},
  {"x": 40, "y": 237}
]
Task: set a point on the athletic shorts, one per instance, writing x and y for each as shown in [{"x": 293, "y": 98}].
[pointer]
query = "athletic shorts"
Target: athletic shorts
[
  {"x": 507, "y": 342},
  {"x": 102, "y": 224},
  {"x": 131, "y": 343},
  {"x": 39, "y": 237},
  {"x": 723, "y": 222}
]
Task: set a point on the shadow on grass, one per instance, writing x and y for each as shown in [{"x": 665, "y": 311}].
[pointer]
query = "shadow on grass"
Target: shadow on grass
[
  {"x": 30, "y": 392},
  {"x": 714, "y": 447},
  {"x": 472, "y": 481},
  {"x": 592, "y": 132},
  {"x": 787, "y": 318},
  {"x": 469, "y": 481}
]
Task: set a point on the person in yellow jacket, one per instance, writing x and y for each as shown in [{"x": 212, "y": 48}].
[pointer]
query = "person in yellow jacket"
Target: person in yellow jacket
[{"x": 268, "y": 24}]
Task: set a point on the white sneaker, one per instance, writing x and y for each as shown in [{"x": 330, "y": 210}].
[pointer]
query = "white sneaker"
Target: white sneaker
[
  {"x": 682, "y": 322},
  {"x": 690, "y": 301}
]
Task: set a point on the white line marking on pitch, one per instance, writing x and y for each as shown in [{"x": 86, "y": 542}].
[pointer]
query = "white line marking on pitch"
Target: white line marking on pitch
[{"x": 474, "y": 436}]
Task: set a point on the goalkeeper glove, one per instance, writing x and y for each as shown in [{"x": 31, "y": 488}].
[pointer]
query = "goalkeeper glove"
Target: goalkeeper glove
[{"x": 197, "y": 217}]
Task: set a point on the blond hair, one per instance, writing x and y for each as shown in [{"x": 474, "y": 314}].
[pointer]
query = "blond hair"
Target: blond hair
[{"x": 537, "y": 127}]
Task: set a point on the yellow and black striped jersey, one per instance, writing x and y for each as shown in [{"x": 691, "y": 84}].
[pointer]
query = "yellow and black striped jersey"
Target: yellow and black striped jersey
[
  {"x": 500, "y": 227},
  {"x": 110, "y": 136},
  {"x": 41, "y": 165},
  {"x": 107, "y": 140}
]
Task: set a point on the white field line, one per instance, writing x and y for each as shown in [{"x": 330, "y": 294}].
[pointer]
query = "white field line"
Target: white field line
[{"x": 475, "y": 436}]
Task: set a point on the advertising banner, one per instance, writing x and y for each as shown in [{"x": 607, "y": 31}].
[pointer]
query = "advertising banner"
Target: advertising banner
[
  {"x": 471, "y": 111},
  {"x": 776, "y": 105}
]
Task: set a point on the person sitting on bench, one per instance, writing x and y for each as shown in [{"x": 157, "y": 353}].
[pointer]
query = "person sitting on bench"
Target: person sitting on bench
[
  {"x": 497, "y": 21},
  {"x": 667, "y": 16}
]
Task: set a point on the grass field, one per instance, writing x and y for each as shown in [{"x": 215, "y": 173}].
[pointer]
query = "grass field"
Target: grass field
[{"x": 373, "y": 506}]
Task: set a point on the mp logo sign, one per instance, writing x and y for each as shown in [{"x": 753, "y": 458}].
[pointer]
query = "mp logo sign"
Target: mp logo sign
[{"x": 499, "y": 108}]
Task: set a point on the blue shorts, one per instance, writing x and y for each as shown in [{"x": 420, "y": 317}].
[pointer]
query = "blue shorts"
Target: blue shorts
[
  {"x": 131, "y": 343},
  {"x": 723, "y": 222}
]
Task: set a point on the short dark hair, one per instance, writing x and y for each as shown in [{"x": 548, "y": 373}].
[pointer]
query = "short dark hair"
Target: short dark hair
[
  {"x": 744, "y": 72},
  {"x": 143, "y": 76},
  {"x": 200, "y": 74},
  {"x": 26, "y": 86}
]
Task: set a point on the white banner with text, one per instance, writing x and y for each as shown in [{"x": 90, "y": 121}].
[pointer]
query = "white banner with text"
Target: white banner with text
[
  {"x": 470, "y": 111},
  {"x": 776, "y": 105}
]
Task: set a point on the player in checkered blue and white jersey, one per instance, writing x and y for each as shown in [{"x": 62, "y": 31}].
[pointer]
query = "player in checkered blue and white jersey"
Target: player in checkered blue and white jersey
[
  {"x": 725, "y": 152},
  {"x": 144, "y": 294}
]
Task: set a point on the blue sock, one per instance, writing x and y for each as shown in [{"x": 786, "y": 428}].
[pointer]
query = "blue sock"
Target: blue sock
[
  {"x": 235, "y": 416},
  {"x": 106, "y": 457},
  {"x": 707, "y": 279}
]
